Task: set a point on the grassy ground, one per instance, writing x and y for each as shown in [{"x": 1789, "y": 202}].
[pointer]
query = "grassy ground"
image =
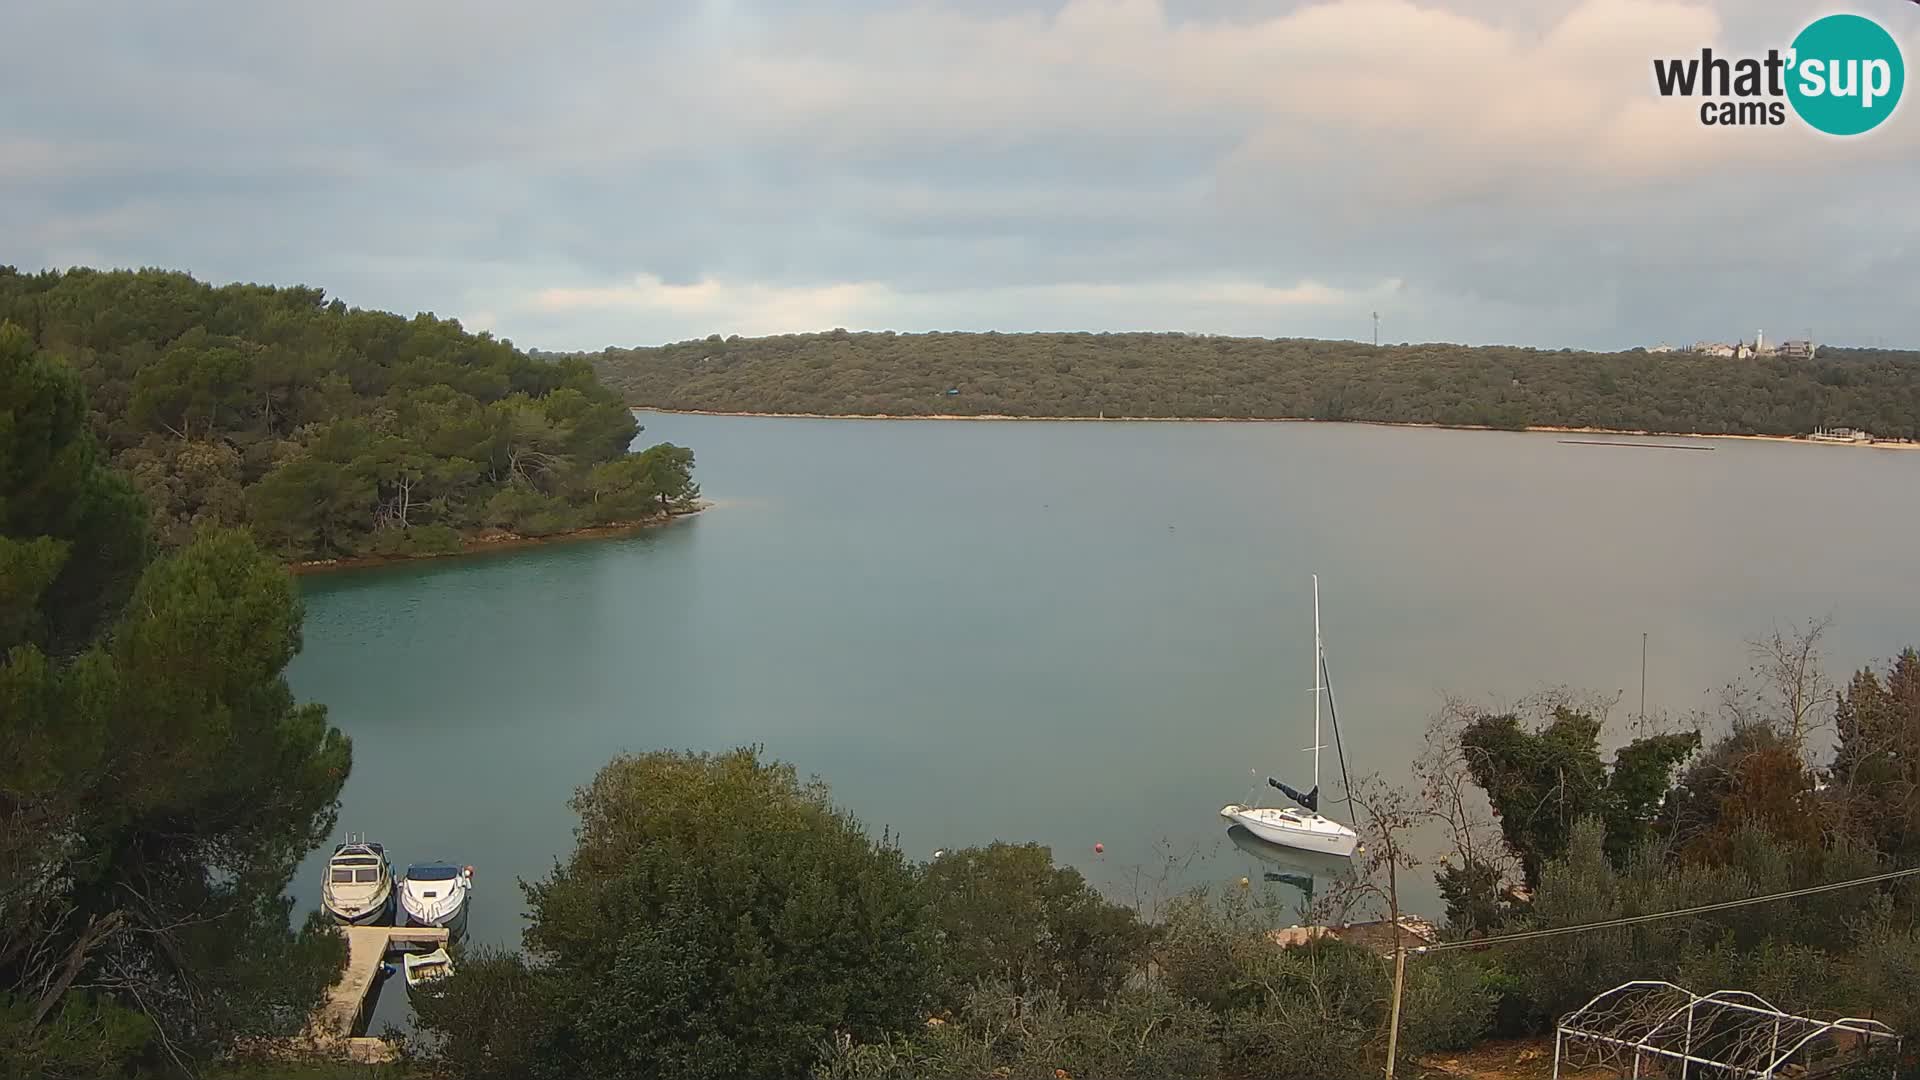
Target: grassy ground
[
  {"x": 312, "y": 1071},
  {"x": 1503, "y": 1059},
  {"x": 1499, "y": 1059}
]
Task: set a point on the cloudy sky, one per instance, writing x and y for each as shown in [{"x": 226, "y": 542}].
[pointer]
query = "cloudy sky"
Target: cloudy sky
[{"x": 574, "y": 175}]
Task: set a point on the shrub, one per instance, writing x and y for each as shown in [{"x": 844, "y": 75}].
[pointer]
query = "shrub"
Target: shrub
[
  {"x": 499, "y": 1018},
  {"x": 1316, "y": 1011},
  {"x": 1321, "y": 1014},
  {"x": 1138, "y": 1034},
  {"x": 528, "y": 512},
  {"x": 1448, "y": 1003},
  {"x": 1006, "y": 913},
  {"x": 717, "y": 918},
  {"x": 415, "y": 540}
]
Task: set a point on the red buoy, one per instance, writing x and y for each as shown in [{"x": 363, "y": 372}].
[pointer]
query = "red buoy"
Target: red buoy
[{"x": 1098, "y": 848}]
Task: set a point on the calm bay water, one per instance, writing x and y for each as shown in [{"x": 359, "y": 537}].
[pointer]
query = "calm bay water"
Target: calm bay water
[{"x": 1077, "y": 632}]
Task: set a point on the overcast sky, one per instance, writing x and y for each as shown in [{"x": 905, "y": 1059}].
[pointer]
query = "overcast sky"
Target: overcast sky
[{"x": 574, "y": 175}]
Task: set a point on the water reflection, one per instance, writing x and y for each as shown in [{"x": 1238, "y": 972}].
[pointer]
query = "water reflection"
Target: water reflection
[{"x": 1303, "y": 871}]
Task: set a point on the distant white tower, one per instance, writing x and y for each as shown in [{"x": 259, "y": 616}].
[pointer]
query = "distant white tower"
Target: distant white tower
[{"x": 1759, "y": 342}]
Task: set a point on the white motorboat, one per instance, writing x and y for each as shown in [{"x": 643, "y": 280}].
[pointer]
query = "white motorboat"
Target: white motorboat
[
  {"x": 435, "y": 894},
  {"x": 1304, "y": 829},
  {"x": 427, "y": 967},
  {"x": 359, "y": 884}
]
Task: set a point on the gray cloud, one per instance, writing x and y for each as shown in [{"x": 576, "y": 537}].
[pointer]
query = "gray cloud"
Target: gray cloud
[{"x": 576, "y": 174}]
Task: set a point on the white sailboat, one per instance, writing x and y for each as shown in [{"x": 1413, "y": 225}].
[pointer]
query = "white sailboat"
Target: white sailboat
[{"x": 1304, "y": 829}]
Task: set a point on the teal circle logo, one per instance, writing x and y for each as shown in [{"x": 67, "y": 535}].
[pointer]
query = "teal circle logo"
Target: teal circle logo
[{"x": 1846, "y": 74}]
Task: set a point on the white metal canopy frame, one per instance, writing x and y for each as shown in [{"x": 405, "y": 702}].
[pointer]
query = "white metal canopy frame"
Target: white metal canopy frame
[{"x": 1670, "y": 1031}]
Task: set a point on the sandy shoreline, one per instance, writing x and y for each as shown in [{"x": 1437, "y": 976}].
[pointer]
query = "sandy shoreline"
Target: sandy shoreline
[
  {"x": 494, "y": 542},
  {"x": 1798, "y": 439}
]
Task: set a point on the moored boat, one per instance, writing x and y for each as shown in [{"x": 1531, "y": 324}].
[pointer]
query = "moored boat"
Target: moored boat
[
  {"x": 358, "y": 889},
  {"x": 1305, "y": 832},
  {"x": 426, "y": 968},
  {"x": 1305, "y": 829},
  {"x": 435, "y": 894}
]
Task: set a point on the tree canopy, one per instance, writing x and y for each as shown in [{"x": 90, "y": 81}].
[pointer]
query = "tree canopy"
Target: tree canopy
[
  {"x": 1006, "y": 913},
  {"x": 1543, "y": 782},
  {"x": 1760, "y": 810},
  {"x": 158, "y": 782},
  {"x": 718, "y": 917},
  {"x": 1186, "y": 375},
  {"x": 72, "y": 532},
  {"x": 1876, "y": 764},
  {"x": 330, "y": 431}
]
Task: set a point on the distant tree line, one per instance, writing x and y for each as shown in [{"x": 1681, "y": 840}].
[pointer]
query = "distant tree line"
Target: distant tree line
[
  {"x": 331, "y": 431},
  {"x": 1180, "y": 375}
]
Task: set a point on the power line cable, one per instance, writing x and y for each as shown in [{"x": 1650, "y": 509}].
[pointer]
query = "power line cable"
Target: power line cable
[{"x": 1634, "y": 920}]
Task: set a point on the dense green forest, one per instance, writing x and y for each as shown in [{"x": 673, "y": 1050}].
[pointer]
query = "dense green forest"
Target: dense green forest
[
  {"x": 158, "y": 782},
  {"x": 331, "y": 431},
  {"x": 1167, "y": 375}
]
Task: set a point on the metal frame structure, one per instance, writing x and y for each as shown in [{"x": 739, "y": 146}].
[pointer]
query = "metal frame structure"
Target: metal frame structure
[{"x": 1727, "y": 1033}]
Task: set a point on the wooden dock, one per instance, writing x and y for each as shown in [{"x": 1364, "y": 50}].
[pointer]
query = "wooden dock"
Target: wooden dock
[{"x": 343, "y": 1018}]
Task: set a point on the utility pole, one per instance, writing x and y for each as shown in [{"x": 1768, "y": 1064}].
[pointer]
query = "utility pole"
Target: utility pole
[
  {"x": 1643, "y": 678},
  {"x": 1399, "y": 945},
  {"x": 1399, "y": 984},
  {"x": 1376, "y": 329}
]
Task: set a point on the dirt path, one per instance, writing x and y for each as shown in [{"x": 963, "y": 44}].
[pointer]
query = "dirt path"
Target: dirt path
[{"x": 1503, "y": 1059}]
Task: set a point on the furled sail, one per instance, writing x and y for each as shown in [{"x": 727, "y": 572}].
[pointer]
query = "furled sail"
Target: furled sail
[{"x": 1310, "y": 800}]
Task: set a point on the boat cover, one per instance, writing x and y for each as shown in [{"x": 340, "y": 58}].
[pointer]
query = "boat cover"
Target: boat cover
[{"x": 1310, "y": 800}]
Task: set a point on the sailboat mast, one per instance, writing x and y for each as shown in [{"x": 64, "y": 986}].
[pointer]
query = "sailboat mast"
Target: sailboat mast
[{"x": 1316, "y": 682}]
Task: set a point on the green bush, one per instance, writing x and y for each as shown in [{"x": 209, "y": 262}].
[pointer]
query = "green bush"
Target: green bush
[
  {"x": 1138, "y": 1034},
  {"x": 1321, "y": 1014},
  {"x": 86, "y": 1036},
  {"x": 528, "y": 512},
  {"x": 1515, "y": 1012},
  {"x": 1448, "y": 1003},
  {"x": 717, "y": 918},
  {"x": 417, "y": 540},
  {"x": 1006, "y": 913},
  {"x": 1316, "y": 1011},
  {"x": 498, "y": 1018}
]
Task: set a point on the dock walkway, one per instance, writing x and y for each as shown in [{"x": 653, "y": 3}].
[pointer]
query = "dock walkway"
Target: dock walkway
[{"x": 344, "y": 1015}]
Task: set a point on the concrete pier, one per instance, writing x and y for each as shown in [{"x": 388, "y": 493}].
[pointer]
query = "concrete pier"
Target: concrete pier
[{"x": 342, "y": 1020}]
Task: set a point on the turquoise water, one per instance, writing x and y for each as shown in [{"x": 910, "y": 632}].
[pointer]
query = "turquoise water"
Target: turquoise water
[{"x": 1077, "y": 633}]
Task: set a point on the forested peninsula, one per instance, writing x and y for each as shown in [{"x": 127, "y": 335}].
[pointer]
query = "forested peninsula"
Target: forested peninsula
[
  {"x": 332, "y": 432},
  {"x": 160, "y": 785},
  {"x": 1195, "y": 376}
]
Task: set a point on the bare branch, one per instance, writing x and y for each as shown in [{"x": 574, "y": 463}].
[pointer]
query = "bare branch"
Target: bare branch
[{"x": 97, "y": 930}]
